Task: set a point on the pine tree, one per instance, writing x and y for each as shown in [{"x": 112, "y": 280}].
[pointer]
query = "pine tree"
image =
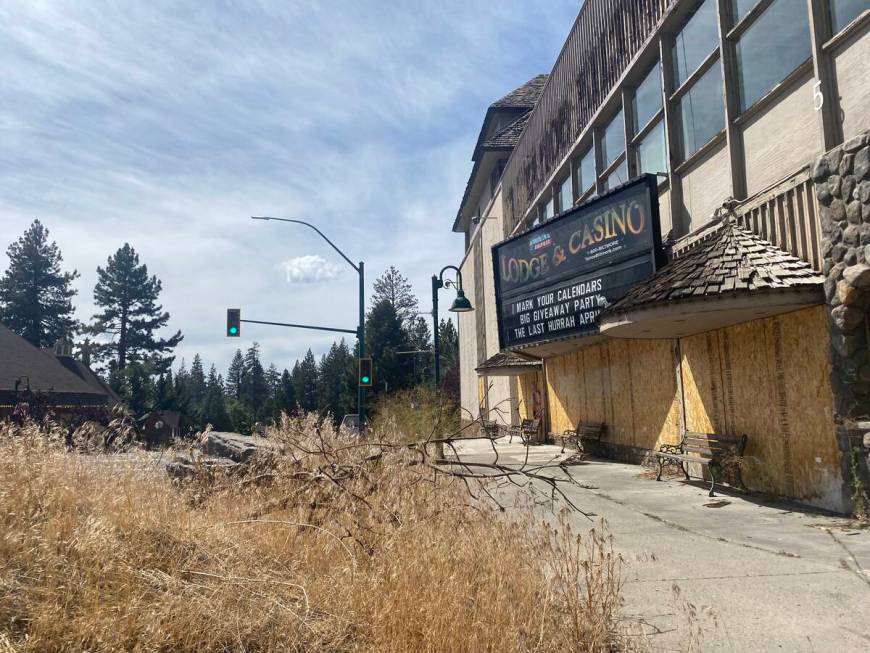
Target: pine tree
[
  {"x": 196, "y": 385},
  {"x": 164, "y": 394},
  {"x": 235, "y": 374},
  {"x": 35, "y": 296},
  {"x": 305, "y": 382},
  {"x": 384, "y": 338},
  {"x": 286, "y": 394},
  {"x": 394, "y": 288},
  {"x": 273, "y": 381},
  {"x": 336, "y": 389},
  {"x": 421, "y": 341},
  {"x": 214, "y": 410},
  {"x": 128, "y": 299},
  {"x": 449, "y": 346},
  {"x": 253, "y": 388}
]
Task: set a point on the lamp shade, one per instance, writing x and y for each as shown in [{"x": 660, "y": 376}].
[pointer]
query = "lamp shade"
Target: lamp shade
[{"x": 461, "y": 303}]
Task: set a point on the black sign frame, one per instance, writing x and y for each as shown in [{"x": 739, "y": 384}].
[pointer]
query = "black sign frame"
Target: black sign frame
[{"x": 653, "y": 255}]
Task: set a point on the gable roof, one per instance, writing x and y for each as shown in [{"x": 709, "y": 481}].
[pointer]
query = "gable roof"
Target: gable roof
[
  {"x": 86, "y": 374},
  {"x": 728, "y": 261},
  {"x": 19, "y": 358},
  {"x": 507, "y": 138},
  {"x": 518, "y": 103},
  {"x": 523, "y": 97}
]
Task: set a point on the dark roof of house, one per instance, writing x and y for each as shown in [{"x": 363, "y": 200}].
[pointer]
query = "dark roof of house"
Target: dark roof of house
[
  {"x": 86, "y": 374},
  {"x": 727, "y": 261},
  {"x": 510, "y": 135},
  {"x": 506, "y": 359},
  {"x": 43, "y": 372},
  {"x": 523, "y": 97}
]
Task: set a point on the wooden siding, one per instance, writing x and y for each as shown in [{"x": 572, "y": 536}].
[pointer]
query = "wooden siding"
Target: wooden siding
[
  {"x": 604, "y": 39},
  {"x": 787, "y": 216}
]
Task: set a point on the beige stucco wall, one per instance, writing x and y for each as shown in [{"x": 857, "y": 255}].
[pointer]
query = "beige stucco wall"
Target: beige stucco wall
[
  {"x": 706, "y": 185},
  {"x": 782, "y": 138},
  {"x": 468, "y": 347},
  {"x": 850, "y": 61}
]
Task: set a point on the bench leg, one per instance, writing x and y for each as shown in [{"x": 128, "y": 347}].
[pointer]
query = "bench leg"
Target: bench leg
[
  {"x": 685, "y": 469},
  {"x": 712, "y": 479},
  {"x": 740, "y": 482},
  {"x": 661, "y": 463},
  {"x": 563, "y": 444}
]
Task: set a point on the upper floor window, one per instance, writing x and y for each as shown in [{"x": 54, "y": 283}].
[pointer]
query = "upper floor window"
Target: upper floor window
[
  {"x": 776, "y": 43},
  {"x": 651, "y": 151},
  {"x": 702, "y": 112},
  {"x": 844, "y": 12},
  {"x": 549, "y": 210},
  {"x": 613, "y": 143},
  {"x": 586, "y": 172},
  {"x": 647, "y": 101},
  {"x": 696, "y": 41},
  {"x": 566, "y": 194},
  {"x": 618, "y": 176}
]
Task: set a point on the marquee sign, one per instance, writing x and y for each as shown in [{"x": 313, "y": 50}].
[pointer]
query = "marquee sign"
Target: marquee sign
[{"x": 555, "y": 280}]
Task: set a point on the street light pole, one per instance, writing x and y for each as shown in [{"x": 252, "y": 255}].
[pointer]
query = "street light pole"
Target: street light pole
[
  {"x": 460, "y": 305},
  {"x": 360, "y": 331}
]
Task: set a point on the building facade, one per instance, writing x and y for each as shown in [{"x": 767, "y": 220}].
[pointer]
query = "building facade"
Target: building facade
[{"x": 749, "y": 121}]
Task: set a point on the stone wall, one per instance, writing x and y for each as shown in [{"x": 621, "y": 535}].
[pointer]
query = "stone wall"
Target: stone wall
[{"x": 842, "y": 181}]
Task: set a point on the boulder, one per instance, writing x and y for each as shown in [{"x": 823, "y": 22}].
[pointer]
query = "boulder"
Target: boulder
[
  {"x": 858, "y": 275},
  {"x": 184, "y": 467},
  {"x": 236, "y": 446},
  {"x": 847, "y": 318},
  {"x": 862, "y": 163},
  {"x": 820, "y": 170},
  {"x": 847, "y": 293}
]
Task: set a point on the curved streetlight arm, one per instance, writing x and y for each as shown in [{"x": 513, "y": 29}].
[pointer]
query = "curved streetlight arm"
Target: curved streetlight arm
[
  {"x": 308, "y": 224},
  {"x": 442, "y": 283}
]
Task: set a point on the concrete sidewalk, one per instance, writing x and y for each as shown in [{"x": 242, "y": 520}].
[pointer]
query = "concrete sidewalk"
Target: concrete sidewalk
[{"x": 763, "y": 576}]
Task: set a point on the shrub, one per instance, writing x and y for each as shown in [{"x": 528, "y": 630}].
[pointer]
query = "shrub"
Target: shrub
[{"x": 336, "y": 545}]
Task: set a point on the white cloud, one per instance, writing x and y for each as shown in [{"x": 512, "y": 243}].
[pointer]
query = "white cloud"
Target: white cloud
[{"x": 310, "y": 269}]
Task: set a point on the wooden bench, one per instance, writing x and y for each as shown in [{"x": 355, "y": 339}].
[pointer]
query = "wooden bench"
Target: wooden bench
[
  {"x": 710, "y": 450},
  {"x": 527, "y": 430},
  {"x": 490, "y": 428},
  {"x": 590, "y": 431}
]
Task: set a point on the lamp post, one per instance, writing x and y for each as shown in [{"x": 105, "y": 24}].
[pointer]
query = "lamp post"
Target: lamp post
[
  {"x": 360, "y": 331},
  {"x": 460, "y": 305}
]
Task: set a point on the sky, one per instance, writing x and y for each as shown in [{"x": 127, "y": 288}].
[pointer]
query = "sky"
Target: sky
[{"x": 166, "y": 124}]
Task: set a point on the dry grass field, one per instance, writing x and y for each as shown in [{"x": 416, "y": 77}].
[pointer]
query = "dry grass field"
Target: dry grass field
[{"x": 331, "y": 546}]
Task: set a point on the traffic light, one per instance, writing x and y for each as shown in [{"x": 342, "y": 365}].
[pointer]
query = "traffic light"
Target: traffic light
[
  {"x": 366, "y": 373},
  {"x": 234, "y": 322}
]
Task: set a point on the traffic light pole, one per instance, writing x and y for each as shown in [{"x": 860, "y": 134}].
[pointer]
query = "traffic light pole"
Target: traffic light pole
[
  {"x": 361, "y": 337},
  {"x": 361, "y": 329}
]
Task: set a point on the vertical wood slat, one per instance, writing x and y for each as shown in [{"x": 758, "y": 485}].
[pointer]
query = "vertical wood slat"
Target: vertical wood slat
[
  {"x": 788, "y": 218},
  {"x": 603, "y": 40}
]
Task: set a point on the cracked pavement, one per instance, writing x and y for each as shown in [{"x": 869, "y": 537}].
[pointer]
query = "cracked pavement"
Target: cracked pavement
[{"x": 761, "y": 575}]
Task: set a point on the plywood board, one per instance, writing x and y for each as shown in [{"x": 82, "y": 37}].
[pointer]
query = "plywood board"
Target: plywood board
[
  {"x": 803, "y": 371},
  {"x": 656, "y": 413}
]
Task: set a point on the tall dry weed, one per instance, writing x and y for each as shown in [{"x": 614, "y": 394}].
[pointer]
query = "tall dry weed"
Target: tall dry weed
[{"x": 333, "y": 545}]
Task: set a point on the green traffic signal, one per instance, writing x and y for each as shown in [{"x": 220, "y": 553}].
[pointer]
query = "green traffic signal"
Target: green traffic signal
[
  {"x": 366, "y": 372},
  {"x": 234, "y": 322}
]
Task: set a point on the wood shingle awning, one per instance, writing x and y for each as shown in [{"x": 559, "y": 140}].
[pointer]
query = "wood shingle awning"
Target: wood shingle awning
[
  {"x": 507, "y": 364},
  {"x": 729, "y": 276}
]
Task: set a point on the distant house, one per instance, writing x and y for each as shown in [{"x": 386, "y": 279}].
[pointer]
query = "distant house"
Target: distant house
[
  {"x": 160, "y": 427},
  {"x": 34, "y": 381}
]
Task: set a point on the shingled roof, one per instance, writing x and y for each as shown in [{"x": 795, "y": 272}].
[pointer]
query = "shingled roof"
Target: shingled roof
[
  {"x": 21, "y": 362},
  {"x": 730, "y": 261},
  {"x": 523, "y": 97},
  {"x": 509, "y": 136},
  {"x": 507, "y": 363}
]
